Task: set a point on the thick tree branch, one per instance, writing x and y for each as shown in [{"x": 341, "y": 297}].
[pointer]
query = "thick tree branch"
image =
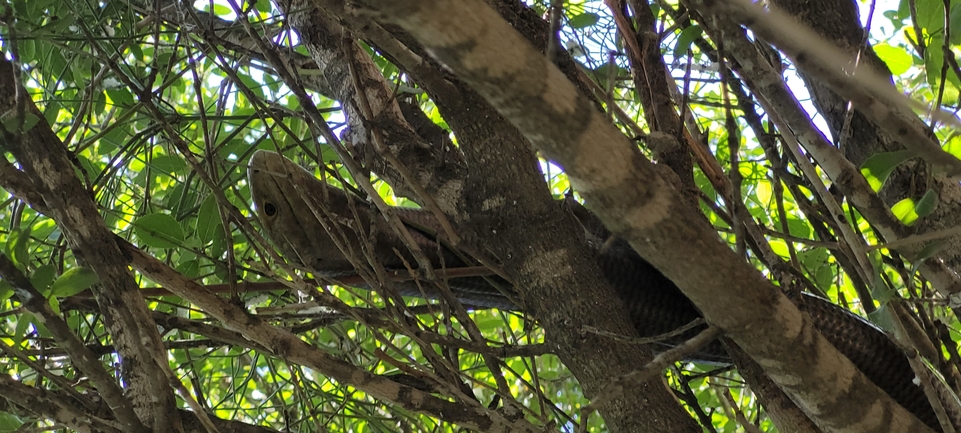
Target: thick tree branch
[
  {"x": 859, "y": 137},
  {"x": 45, "y": 162},
  {"x": 56, "y": 407},
  {"x": 560, "y": 286},
  {"x": 636, "y": 203},
  {"x": 81, "y": 356},
  {"x": 436, "y": 165},
  {"x": 864, "y": 86},
  {"x": 778, "y": 99}
]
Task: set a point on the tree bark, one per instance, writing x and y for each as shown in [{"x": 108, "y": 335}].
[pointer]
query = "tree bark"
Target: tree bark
[
  {"x": 46, "y": 164},
  {"x": 636, "y": 203}
]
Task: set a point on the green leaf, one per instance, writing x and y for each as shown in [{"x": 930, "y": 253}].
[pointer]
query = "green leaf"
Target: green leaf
[
  {"x": 23, "y": 324},
  {"x": 655, "y": 8},
  {"x": 927, "y": 252},
  {"x": 897, "y": 59},
  {"x": 6, "y": 290},
  {"x": 120, "y": 96},
  {"x": 933, "y": 61},
  {"x": 953, "y": 146},
  {"x": 927, "y": 203},
  {"x": 29, "y": 121},
  {"x": 91, "y": 169},
  {"x": 883, "y": 317},
  {"x": 174, "y": 197},
  {"x": 208, "y": 219},
  {"x": 137, "y": 52},
  {"x": 799, "y": 228},
  {"x": 882, "y": 293},
  {"x": 55, "y": 306},
  {"x": 954, "y": 20},
  {"x": 879, "y": 166},
  {"x": 191, "y": 244},
  {"x": 9, "y": 422},
  {"x": 14, "y": 124},
  {"x": 817, "y": 262},
  {"x": 52, "y": 111},
  {"x": 159, "y": 230},
  {"x": 189, "y": 269},
  {"x": 73, "y": 281},
  {"x": 28, "y": 50},
  {"x": 603, "y": 72},
  {"x": 583, "y": 20},
  {"x": 905, "y": 210},
  {"x": 904, "y": 9},
  {"x": 42, "y": 277},
  {"x": 168, "y": 164},
  {"x": 17, "y": 247},
  {"x": 20, "y": 6},
  {"x": 930, "y": 15},
  {"x": 255, "y": 86},
  {"x": 687, "y": 37},
  {"x": 824, "y": 276},
  {"x": 219, "y": 246},
  {"x": 111, "y": 140},
  {"x": 99, "y": 99}
]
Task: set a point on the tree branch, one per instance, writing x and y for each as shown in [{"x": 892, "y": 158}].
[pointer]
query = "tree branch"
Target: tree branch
[{"x": 638, "y": 204}]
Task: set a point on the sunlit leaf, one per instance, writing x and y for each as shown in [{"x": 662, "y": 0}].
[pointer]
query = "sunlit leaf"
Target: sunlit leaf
[
  {"x": 953, "y": 146},
  {"x": 905, "y": 211},
  {"x": 897, "y": 59}
]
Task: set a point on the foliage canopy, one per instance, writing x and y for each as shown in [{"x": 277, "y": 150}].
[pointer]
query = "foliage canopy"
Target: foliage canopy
[{"x": 159, "y": 106}]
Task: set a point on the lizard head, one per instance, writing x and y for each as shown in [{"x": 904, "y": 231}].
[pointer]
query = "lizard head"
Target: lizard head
[{"x": 291, "y": 203}]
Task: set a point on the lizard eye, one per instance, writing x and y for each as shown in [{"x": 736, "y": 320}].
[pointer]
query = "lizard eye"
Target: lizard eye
[{"x": 270, "y": 209}]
